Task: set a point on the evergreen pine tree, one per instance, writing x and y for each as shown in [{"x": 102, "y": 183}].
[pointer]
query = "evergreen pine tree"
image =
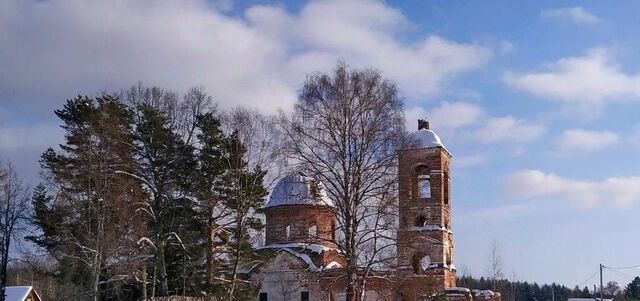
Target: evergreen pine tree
[
  {"x": 89, "y": 225},
  {"x": 214, "y": 219},
  {"x": 166, "y": 163},
  {"x": 632, "y": 290},
  {"x": 244, "y": 194}
]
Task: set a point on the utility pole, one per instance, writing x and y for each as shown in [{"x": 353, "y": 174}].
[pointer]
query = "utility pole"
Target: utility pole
[
  {"x": 553, "y": 293},
  {"x": 601, "y": 288}
]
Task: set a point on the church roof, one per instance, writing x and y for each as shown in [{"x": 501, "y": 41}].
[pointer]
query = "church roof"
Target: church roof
[
  {"x": 298, "y": 189},
  {"x": 424, "y": 138},
  {"x": 18, "y": 293}
]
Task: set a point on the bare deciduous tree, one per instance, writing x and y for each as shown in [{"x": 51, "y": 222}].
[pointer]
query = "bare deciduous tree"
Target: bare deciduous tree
[
  {"x": 345, "y": 131},
  {"x": 264, "y": 143},
  {"x": 14, "y": 212},
  {"x": 495, "y": 265}
]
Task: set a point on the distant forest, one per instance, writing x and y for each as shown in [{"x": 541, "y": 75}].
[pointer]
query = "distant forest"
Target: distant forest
[{"x": 531, "y": 291}]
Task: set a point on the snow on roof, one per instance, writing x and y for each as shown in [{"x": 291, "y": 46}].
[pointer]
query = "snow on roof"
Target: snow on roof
[
  {"x": 485, "y": 294},
  {"x": 315, "y": 248},
  {"x": 332, "y": 265},
  {"x": 304, "y": 257},
  {"x": 429, "y": 228},
  {"x": 457, "y": 289},
  {"x": 424, "y": 138},
  {"x": 17, "y": 293},
  {"x": 249, "y": 267},
  {"x": 298, "y": 189}
]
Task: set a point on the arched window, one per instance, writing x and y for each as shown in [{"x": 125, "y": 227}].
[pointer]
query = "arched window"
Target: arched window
[
  {"x": 421, "y": 263},
  {"x": 425, "y": 262},
  {"x": 422, "y": 182},
  {"x": 420, "y": 221},
  {"x": 287, "y": 231},
  {"x": 424, "y": 186},
  {"x": 313, "y": 231}
]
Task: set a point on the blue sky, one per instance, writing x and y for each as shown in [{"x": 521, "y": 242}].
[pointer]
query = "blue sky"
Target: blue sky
[{"x": 537, "y": 100}]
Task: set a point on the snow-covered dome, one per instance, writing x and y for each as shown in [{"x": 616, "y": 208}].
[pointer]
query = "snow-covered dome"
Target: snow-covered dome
[
  {"x": 298, "y": 189},
  {"x": 423, "y": 137}
]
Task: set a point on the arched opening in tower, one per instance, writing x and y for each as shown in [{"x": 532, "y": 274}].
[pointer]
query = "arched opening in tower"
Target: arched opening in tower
[
  {"x": 313, "y": 231},
  {"x": 421, "y": 182}
]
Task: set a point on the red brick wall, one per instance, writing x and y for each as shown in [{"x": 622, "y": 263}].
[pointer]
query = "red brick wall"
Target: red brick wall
[
  {"x": 300, "y": 218},
  {"x": 413, "y": 242}
]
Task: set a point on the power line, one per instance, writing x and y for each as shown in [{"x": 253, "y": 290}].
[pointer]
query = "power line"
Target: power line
[
  {"x": 583, "y": 282},
  {"x": 629, "y": 277},
  {"x": 623, "y": 268}
]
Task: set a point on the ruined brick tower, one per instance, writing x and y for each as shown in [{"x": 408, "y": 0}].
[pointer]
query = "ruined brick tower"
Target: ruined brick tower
[
  {"x": 299, "y": 211},
  {"x": 425, "y": 240}
]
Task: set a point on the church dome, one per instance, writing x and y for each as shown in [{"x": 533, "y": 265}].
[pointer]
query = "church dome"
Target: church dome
[
  {"x": 298, "y": 189},
  {"x": 423, "y": 137}
]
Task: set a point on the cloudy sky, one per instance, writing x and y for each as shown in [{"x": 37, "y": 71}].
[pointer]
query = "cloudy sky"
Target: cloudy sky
[{"x": 538, "y": 102}]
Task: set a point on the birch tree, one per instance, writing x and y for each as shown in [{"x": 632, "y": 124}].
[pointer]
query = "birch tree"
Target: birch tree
[
  {"x": 344, "y": 131},
  {"x": 14, "y": 212},
  {"x": 496, "y": 271}
]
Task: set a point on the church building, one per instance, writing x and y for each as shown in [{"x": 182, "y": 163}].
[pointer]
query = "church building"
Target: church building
[{"x": 304, "y": 263}]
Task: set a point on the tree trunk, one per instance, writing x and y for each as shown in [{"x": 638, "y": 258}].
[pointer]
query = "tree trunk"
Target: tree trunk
[
  {"x": 236, "y": 262},
  {"x": 155, "y": 279},
  {"x": 144, "y": 281},
  {"x": 95, "y": 289},
  {"x": 3, "y": 271},
  {"x": 162, "y": 270},
  {"x": 209, "y": 250}
]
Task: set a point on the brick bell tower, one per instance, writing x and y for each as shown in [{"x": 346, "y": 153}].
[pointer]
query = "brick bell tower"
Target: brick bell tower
[{"x": 425, "y": 240}]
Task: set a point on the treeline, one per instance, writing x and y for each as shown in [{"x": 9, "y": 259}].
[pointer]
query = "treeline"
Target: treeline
[
  {"x": 155, "y": 194},
  {"x": 531, "y": 291},
  {"x": 149, "y": 194}
]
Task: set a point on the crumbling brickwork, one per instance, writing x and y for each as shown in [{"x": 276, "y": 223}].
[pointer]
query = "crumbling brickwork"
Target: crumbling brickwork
[
  {"x": 300, "y": 219},
  {"x": 425, "y": 240},
  {"x": 425, "y": 269}
]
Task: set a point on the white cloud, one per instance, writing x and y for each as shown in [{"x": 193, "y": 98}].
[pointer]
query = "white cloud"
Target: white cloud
[
  {"x": 535, "y": 184},
  {"x": 501, "y": 212},
  {"x": 469, "y": 160},
  {"x": 258, "y": 59},
  {"x": 456, "y": 114},
  {"x": 508, "y": 129},
  {"x": 575, "y": 14},
  {"x": 593, "y": 79},
  {"x": 446, "y": 116},
  {"x": 583, "y": 140}
]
